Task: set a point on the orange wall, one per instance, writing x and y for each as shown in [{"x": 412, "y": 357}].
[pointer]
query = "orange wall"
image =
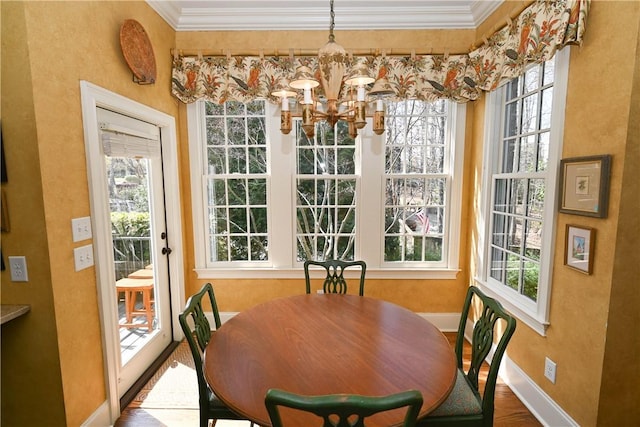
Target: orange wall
[
  {"x": 53, "y": 358},
  {"x": 47, "y": 47},
  {"x": 30, "y": 343},
  {"x": 597, "y": 121}
]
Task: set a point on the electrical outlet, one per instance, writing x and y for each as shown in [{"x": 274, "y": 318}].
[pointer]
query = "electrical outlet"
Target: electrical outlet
[
  {"x": 81, "y": 228},
  {"x": 18, "y": 267},
  {"x": 550, "y": 369},
  {"x": 83, "y": 257},
  {"x": 320, "y": 291}
]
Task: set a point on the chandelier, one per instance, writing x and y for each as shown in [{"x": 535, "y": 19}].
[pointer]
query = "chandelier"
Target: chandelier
[{"x": 333, "y": 62}]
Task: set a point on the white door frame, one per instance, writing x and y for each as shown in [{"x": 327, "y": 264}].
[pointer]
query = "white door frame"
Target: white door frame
[{"x": 93, "y": 96}]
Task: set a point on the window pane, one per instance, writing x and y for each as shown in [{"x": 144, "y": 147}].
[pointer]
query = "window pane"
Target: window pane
[
  {"x": 543, "y": 151},
  {"x": 535, "y": 203},
  {"x": 256, "y": 130},
  {"x": 533, "y": 240},
  {"x": 259, "y": 248},
  {"x": 237, "y": 192},
  {"x": 217, "y": 192},
  {"x": 236, "y": 131},
  {"x": 237, "y": 220},
  {"x": 216, "y": 159},
  {"x": 215, "y": 131},
  {"x": 545, "y": 108},
  {"x": 235, "y": 108},
  {"x": 258, "y": 160},
  {"x": 510, "y": 156},
  {"x": 212, "y": 109},
  {"x": 530, "y": 113},
  {"x": 237, "y": 160},
  {"x": 512, "y": 119},
  {"x": 528, "y": 153}
]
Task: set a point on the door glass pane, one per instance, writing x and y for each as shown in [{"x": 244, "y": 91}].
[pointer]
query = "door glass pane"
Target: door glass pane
[{"x": 131, "y": 236}]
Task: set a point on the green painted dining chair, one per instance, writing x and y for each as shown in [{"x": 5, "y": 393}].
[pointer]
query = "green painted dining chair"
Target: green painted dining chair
[
  {"x": 343, "y": 410},
  {"x": 334, "y": 281},
  {"x": 466, "y": 406},
  {"x": 197, "y": 331}
]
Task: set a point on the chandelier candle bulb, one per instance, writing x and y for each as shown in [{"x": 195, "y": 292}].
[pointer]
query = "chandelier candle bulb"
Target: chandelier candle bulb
[{"x": 307, "y": 96}]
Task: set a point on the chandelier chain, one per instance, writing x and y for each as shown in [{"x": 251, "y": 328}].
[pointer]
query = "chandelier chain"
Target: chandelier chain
[{"x": 333, "y": 16}]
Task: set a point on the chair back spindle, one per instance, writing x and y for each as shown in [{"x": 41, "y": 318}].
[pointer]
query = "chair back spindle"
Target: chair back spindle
[{"x": 334, "y": 281}]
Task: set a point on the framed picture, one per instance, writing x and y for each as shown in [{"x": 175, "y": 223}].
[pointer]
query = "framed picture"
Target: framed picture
[
  {"x": 578, "y": 248},
  {"x": 585, "y": 185}
]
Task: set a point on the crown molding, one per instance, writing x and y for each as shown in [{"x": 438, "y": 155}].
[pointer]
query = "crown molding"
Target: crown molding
[{"x": 248, "y": 15}]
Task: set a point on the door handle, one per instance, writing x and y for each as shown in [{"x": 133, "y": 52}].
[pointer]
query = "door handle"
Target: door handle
[{"x": 166, "y": 251}]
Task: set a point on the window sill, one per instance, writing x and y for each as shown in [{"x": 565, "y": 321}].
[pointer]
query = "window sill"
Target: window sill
[
  {"x": 528, "y": 318},
  {"x": 297, "y": 273}
]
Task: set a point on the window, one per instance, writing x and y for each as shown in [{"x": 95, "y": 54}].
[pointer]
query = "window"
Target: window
[
  {"x": 236, "y": 182},
  {"x": 265, "y": 202},
  {"x": 523, "y": 151},
  {"x": 417, "y": 179},
  {"x": 326, "y": 185}
]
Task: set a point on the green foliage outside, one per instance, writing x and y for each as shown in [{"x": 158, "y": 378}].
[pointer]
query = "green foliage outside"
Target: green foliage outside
[{"x": 130, "y": 224}]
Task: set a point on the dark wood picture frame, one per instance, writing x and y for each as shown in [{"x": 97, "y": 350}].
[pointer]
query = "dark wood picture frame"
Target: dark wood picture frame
[
  {"x": 584, "y": 185},
  {"x": 579, "y": 244}
]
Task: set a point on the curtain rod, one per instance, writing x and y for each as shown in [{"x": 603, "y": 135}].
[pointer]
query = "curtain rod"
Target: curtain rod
[{"x": 305, "y": 52}]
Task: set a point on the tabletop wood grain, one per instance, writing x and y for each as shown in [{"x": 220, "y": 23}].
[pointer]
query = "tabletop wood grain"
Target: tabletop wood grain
[{"x": 324, "y": 344}]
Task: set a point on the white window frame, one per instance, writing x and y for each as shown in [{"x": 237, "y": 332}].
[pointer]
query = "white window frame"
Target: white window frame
[
  {"x": 533, "y": 313},
  {"x": 281, "y": 201}
]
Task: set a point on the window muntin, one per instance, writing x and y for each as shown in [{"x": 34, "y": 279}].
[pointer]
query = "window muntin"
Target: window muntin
[
  {"x": 417, "y": 181},
  {"x": 236, "y": 181}
]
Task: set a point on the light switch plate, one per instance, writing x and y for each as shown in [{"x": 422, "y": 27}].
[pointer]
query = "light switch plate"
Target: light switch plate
[
  {"x": 81, "y": 228},
  {"x": 83, "y": 257}
]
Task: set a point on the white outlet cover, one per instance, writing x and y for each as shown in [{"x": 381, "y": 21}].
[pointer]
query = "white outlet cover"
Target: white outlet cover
[
  {"x": 550, "y": 369},
  {"x": 18, "y": 268}
]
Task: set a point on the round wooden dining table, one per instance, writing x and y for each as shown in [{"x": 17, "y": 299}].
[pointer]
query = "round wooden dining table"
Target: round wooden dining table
[{"x": 316, "y": 344}]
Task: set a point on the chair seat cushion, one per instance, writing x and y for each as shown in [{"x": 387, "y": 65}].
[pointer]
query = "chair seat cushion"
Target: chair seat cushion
[
  {"x": 215, "y": 403},
  {"x": 463, "y": 400}
]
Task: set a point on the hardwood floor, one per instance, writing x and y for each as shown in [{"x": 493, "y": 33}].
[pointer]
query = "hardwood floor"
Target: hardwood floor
[{"x": 509, "y": 410}]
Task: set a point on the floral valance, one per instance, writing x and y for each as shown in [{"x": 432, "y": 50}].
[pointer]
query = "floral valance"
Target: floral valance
[{"x": 533, "y": 37}]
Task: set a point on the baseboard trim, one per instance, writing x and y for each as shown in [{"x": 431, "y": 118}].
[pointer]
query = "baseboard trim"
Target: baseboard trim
[
  {"x": 545, "y": 409},
  {"x": 100, "y": 417}
]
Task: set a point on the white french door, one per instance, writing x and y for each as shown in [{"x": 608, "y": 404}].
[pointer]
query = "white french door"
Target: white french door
[
  {"x": 135, "y": 211},
  {"x": 133, "y": 165}
]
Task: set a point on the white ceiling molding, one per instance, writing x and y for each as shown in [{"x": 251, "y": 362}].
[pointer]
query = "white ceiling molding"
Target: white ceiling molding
[{"x": 246, "y": 15}]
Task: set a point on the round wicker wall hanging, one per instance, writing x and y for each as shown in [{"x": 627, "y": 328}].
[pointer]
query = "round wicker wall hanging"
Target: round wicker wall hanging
[{"x": 138, "y": 52}]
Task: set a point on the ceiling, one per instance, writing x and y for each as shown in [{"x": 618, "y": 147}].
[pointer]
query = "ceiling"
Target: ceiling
[{"x": 227, "y": 15}]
